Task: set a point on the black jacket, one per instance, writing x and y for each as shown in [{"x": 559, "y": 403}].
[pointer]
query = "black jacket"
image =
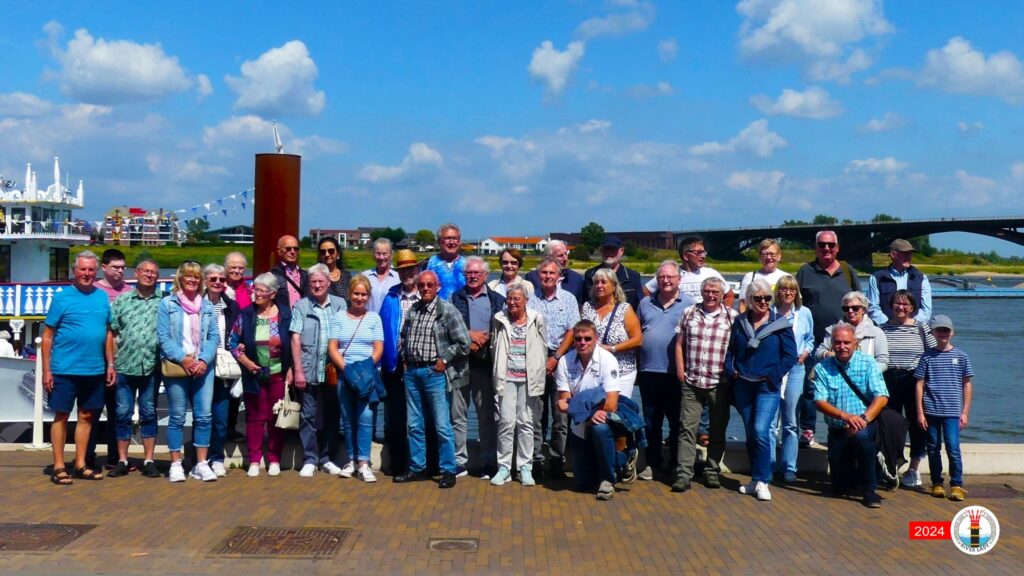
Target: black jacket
[
  {"x": 629, "y": 280},
  {"x": 281, "y": 299},
  {"x": 461, "y": 302}
]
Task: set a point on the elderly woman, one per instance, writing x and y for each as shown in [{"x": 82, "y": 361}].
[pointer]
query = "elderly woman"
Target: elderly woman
[
  {"x": 511, "y": 261},
  {"x": 259, "y": 342},
  {"x": 789, "y": 305},
  {"x": 519, "y": 347},
  {"x": 356, "y": 334},
  {"x": 329, "y": 254},
  {"x": 225, "y": 311},
  {"x": 907, "y": 339},
  {"x": 770, "y": 254},
  {"x": 188, "y": 336},
  {"x": 236, "y": 288},
  {"x": 870, "y": 338},
  {"x": 762, "y": 350},
  {"x": 618, "y": 328},
  {"x": 310, "y": 328}
]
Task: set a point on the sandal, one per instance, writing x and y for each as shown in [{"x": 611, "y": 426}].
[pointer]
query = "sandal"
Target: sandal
[
  {"x": 60, "y": 477},
  {"x": 86, "y": 473}
]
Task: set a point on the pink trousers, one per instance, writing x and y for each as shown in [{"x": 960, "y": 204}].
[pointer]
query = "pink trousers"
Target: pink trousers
[{"x": 259, "y": 418}]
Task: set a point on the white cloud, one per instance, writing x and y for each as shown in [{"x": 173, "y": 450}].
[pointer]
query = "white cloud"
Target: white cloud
[
  {"x": 22, "y": 105},
  {"x": 517, "y": 158},
  {"x": 765, "y": 184},
  {"x": 821, "y": 34},
  {"x": 644, "y": 91},
  {"x": 279, "y": 82},
  {"x": 100, "y": 71},
  {"x": 420, "y": 155},
  {"x": 755, "y": 139},
  {"x": 887, "y": 123},
  {"x": 668, "y": 49},
  {"x": 203, "y": 86},
  {"x": 969, "y": 128},
  {"x": 960, "y": 69},
  {"x": 183, "y": 170},
  {"x": 639, "y": 16},
  {"x": 974, "y": 191},
  {"x": 250, "y": 133},
  {"x": 592, "y": 125},
  {"x": 554, "y": 68},
  {"x": 812, "y": 103},
  {"x": 887, "y": 165},
  {"x": 1017, "y": 169}
]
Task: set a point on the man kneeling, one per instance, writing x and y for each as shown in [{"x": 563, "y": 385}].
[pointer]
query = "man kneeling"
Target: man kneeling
[{"x": 851, "y": 421}]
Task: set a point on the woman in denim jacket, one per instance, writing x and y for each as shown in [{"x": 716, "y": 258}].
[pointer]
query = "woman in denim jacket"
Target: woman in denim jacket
[{"x": 188, "y": 337}]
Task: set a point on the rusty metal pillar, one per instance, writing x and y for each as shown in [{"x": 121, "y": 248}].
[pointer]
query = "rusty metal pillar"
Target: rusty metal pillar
[{"x": 277, "y": 206}]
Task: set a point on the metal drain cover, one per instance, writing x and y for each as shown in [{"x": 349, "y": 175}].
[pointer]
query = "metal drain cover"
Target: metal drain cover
[
  {"x": 991, "y": 491},
  {"x": 296, "y": 543},
  {"x": 31, "y": 537},
  {"x": 454, "y": 544}
]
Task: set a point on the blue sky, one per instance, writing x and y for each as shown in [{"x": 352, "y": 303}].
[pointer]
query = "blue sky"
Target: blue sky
[{"x": 529, "y": 117}]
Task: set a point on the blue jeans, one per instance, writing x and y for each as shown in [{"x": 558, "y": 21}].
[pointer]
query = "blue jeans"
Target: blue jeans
[
  {"x": 595, "y": 458},
  {"x": 944, "y": 429},
  {"x": 848, "y": 454},
  {"x": 426, "y": 390},
  {"x": 181, "y": 392},
  {"x": 219, "y": 416},
  {"x": 127, "y": 387},
  {"x": 789, "y": 429},
  {"x": 358, "y": 422},
  {"x": 758, "y": 405},
  {"x": 318, "y": 429}
]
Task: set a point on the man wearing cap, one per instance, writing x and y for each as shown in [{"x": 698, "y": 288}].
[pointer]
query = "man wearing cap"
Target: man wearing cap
[
  {"x": 900, "y": 275},
  {"x": 382, "y": 276},
  {"x": 393, "y": 310},
  {"x": 448, "y": 264},
  {"x": 612, "y": 250},
  {"x": 570, "y": 280},
  {"x": 294, "y": 281}
]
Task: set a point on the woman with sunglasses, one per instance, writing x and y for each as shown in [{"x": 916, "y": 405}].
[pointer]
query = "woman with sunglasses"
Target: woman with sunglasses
[
  {"x": 762, "y": 350},
  {"x": 225, "y": 311},
  {"x": 329, "y": 254},
  {"x": 511, "y": 261},
  {"x": 871, "y": 339},
  {"x": 770, "y": 254},
  {"x": 788, "y": 304},
  {"x": 188, "y": 336}
]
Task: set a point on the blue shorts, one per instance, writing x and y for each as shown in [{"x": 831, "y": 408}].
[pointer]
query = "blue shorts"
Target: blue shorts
[{"x": 87, "y": 390}]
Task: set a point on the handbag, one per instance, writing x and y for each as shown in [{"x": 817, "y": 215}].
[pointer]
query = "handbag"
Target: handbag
[
  {"x": 362, "y": 377},
  {"x": 331, "y": 374},
  {"x": 227, "y": 367},
  {"x": 171, "y": 369},
  {"x": 288, "y": 411}
]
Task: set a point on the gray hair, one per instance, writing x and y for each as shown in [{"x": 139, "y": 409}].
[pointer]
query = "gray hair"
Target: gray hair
[
  {"x": 549, "y": 260},
  {"x": 447, "y": 226},
  {"x": 672, "y": 263},
  {"x": 86, "y": 255},
  {"x": 757, "y": 285},
  {"x": 235, "y": 255},
  {"x": 320, "y": 269},
  {"x": 213, "y": 269},
  {"x": 517, "y": 288},
  {"x": 843, "y": 326},
  {"x": 713, "y": 280},
  {"x": 856, "y": 295},
  {"x": 820, "y": 232},
  {"x": 382, "y": 242},
  {"x": 551, "y": 246},
  {"x": 267, "y": 281},
  {"x": 477, "y": 260}
]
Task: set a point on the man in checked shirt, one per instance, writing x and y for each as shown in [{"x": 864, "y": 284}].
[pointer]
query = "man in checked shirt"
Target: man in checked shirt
[{"x": 704, "y": 331}]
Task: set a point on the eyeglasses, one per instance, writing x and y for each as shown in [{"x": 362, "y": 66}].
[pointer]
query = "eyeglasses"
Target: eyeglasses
[
  {"x": 696, "y": 252},
  {"x": 853, "y": 308},
  {"x": 263, "y": 292},
  {"x": 666, "y": 277},
  {"x": 583, "y": 338},
  {"x": 474, "y": 272},
  {"x": 829, "y": 245},
  {"x": 450, "y": 239},
  {"x": 787, "y": 290},
  {"x": 510, "y": 263},
  {"x": 711, "y": 293},
  {"x": 326, "y": 251},
  {"x": 217, "y": 279},
  {"x": 290, "y": 248},
  {"x": 761, "y": 298},
  {"x": 769, "y": 254}
]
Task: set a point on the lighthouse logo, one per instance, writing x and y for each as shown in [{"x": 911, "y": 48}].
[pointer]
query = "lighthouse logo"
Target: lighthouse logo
[{"x": 975, "y": 530}]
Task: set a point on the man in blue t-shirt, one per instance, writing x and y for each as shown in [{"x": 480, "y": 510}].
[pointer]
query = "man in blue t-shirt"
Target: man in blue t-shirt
[{"x": 78, "y": 360}]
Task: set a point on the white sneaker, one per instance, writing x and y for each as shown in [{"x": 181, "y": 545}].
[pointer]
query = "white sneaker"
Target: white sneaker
[
  {"x": 762, "y": 493},
  {"x": 347, "y": 470},
  {"x": 307, "y": 471},
  {"x": 911, "y": 479},
  {"x": 331, "y": 468},
  {"x": 177, "y": 473},
  {"x": 748, "y": 488},
  {"x": 274, "y": 469},
  {"x": 219, "y": 469},
  {"x": 254, "y": 470},
  {"x": 202, "y": 471},
  {"x": 365, "y": 473}
]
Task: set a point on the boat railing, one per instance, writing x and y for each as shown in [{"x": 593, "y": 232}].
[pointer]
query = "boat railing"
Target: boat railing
[
  {"x": 33, "y": 299},
  {"x": 43, "y": 229}
]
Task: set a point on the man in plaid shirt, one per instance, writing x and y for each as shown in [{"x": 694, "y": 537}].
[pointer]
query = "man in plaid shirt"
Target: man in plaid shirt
[{"x": 704, "y": 331}]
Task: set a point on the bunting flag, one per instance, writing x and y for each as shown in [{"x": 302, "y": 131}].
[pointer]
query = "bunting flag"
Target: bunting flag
[
  {"x": 225, "y": 212},
  {"x": 207, "y": 206}
]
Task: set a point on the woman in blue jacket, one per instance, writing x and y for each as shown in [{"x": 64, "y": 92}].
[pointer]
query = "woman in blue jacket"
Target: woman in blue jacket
[{"x": 188, "y": 336}]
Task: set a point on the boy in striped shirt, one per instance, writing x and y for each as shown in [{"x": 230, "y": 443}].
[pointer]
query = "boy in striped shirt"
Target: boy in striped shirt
[{"x": 943, "y": 403}]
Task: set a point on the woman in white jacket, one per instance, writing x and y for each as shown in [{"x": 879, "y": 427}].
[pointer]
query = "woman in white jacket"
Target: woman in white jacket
[{"x": 519, "y": 348}]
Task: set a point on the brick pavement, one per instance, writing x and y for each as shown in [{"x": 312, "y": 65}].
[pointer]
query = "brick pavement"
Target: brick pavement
[{"x": 148, "y": 525}]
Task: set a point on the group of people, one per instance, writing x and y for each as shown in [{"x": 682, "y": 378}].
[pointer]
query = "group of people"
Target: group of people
[{"x": 549, "y": 353}]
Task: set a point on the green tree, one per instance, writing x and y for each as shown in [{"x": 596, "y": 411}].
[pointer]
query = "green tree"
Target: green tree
[
  {"x": 425, "y": 237},
  {"x": 824, "y": 219},
  {"x": 306, "y": 242},
  {"x": 196, "y": 231},
  {"x": 923, "y": 245},
  {"x": 580, "y": 253},
  {"x": 883, "y": 217},
  {"x": 795, "y": 223},
  {"x": 591, "y": 236},
  {"x": 396, "y": 235}
]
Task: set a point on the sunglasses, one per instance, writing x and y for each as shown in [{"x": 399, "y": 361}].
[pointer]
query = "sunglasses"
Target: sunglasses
[
  {"x": 326, "y": 251},
  {"x": 425, "y": 284},
  {"x": 697, "y": 252},
  {"x": 290, "y": 248},
  {"x": 509, "y": 263},
  {"x": 761, "y": 298},
  {"x": 218, "y": 279},
  {"x": 854, "y": 308},
  {"x": 829, "y": 245},
  {"x": 583, "y": 338}
]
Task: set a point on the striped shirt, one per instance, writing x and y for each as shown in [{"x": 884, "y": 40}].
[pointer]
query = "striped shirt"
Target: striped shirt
[
  {"x": 907, "y": 343},
  {"x": 943, "y": 372},
  {"x": 705, "y": 343},
  {"x": 830, "y": 386},
  {"x": 361, "y": 334}
]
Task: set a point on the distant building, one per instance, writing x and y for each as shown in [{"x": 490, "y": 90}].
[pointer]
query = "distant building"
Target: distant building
[
  {"x": 348, "y": 238},
  {"x": 130, "y": 226},
  {"x": 240, "y": 234},
  {"x": 653, "y": 240},
  {"x": 496, "y": 244}
]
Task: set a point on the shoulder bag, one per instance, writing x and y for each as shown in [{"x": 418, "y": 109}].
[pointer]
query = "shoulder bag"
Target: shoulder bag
[
  {"x": 171, "y": 369},
  {"x": 227, "y": 367},
  {"x": 288, "y": 411}
]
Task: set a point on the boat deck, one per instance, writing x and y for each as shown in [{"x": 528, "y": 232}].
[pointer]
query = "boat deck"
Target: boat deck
[{"x": 153, "y": 526}]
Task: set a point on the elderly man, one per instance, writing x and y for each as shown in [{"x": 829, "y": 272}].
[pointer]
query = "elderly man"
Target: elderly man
[
  {"x": 560, "y": 310},
  {"x": 851, "y": 421},
  {"x": 78, "y": 360},
  {"x": 448, "y": 265},
  {"x": 477, "y": 305},
  {"x": 133, "y": 322},
  {"x": 310, "y": 328},
  {"x": 704, "y": 332},
  {"x": 659, "y": 316},
  {"x": 435, "y": 346},
  {"x": 383, "y": 276},
  {"x": 900, "y": 275},
  {"x": 570, "y": 280},
  {"x": 393, "y": 311},
  {"x": 823, "y": 282},
  {"x": 612, "y": 250},
  {"x": 290, "y": 277}
]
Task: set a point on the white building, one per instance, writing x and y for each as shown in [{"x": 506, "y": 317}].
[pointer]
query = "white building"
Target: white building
[{"x": 528, "y": 244}]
